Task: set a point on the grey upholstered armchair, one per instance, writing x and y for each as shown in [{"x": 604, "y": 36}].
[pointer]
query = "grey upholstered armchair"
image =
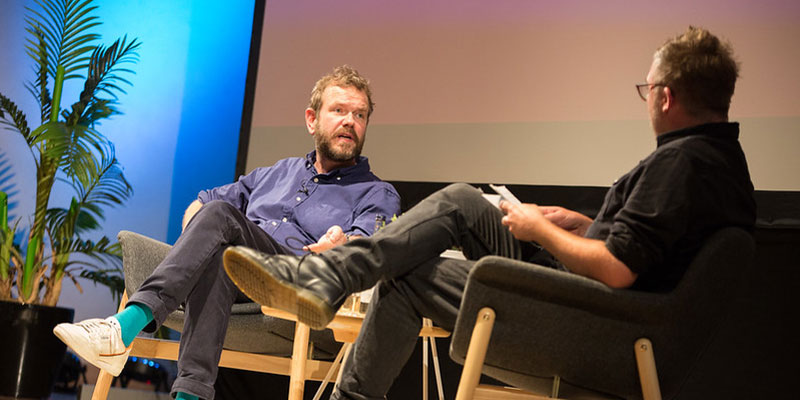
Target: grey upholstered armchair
[
  {"x": 254, "y": 341},
  {"x": 552, "y": 328}
]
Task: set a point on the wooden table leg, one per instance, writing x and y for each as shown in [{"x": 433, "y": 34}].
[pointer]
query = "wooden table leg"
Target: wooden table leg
[{"x": 297, "y": 379}]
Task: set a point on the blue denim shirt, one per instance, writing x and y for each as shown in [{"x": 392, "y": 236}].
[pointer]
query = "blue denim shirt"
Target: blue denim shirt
[{"x": 291, "y": 200}]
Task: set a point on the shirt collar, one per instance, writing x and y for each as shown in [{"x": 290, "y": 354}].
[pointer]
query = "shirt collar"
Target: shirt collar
[
  {"x": 723, "y": 130},
  {"x": 361, "y": 167}
]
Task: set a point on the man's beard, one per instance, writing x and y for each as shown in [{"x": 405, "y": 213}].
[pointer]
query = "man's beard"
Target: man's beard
[{"x": 324, "y": 146}]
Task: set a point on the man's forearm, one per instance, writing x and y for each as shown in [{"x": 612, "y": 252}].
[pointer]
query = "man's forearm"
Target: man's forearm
[
  {"x": 193, "y": 208},
  {"x": 587, "y": 257}
]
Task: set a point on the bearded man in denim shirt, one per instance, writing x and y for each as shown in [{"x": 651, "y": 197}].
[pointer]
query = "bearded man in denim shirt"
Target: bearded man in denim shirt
[{"x": 298, "y": 205}]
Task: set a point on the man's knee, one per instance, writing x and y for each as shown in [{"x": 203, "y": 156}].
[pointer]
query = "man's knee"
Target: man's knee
[
  {"x": 461, "y": 192},
  {"x": 215, "y": 210}
]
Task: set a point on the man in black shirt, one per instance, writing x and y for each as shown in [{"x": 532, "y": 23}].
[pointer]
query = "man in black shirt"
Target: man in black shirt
[{"x": 651, "y": 224}]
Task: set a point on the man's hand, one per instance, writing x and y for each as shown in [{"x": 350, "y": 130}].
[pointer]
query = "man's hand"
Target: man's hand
[
  {"x": 334, "y": 237},
  {"x": 550, "y": 227},
  {"x": 524, "y": 221},
  {"x": 193, "y": 208},
  {"x": 571, "y": 221}
]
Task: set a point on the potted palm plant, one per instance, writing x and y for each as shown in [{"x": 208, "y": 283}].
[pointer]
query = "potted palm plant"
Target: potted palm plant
[{"x": 38, "y": 252}]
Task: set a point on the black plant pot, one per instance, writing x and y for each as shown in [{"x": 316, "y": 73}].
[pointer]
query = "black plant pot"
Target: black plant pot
[{"x": 31, "y": 354}]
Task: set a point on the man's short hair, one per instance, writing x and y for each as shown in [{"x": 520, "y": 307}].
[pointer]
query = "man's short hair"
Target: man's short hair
[
  {"x": 345, "y": 76},
  {"x": 701, "y": 71}
]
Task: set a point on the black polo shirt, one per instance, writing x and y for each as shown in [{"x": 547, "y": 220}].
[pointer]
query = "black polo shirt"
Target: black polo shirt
[{"x": 655, "y": 218}]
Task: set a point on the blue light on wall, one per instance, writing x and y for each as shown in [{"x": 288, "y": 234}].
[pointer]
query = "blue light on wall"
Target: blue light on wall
[
  {"x": 179, "y": 132},
  {"x": 208, "y": 139}
]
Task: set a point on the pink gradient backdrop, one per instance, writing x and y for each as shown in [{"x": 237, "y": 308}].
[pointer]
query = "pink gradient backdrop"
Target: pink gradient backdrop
[{"x": 515, "y": 60}]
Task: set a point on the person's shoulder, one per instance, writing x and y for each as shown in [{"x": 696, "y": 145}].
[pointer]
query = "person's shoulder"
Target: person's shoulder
[
  {"x": 703, "y": 149},
  {"x": 386, "y": 186},
  {"x": 284, "y": 163},
  {"x": 291, "y": 160},
  {"x": 281, "y": 167},
  {"x": 375, "y": 183}
]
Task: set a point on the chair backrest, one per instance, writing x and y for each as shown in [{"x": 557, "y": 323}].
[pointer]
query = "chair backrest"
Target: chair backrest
[
  {"x": 554, "y": 323},
  {"x": 140, "y": 256}
]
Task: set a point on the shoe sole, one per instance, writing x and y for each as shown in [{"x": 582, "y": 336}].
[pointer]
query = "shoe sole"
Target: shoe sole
[
  {"x": 111, "y": 365},
  {"x": 245, "y": 270}
]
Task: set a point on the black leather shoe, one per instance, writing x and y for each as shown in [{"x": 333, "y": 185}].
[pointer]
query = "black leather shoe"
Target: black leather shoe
[{"x": 303, "y": 285}]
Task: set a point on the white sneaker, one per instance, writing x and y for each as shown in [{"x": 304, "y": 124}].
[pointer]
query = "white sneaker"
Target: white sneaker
[{"x": 98, "y": 341}]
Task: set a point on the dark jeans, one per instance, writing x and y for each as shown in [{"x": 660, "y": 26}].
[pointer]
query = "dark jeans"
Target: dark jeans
[
  {"x": 414, "y": 281},
  {"x": 192, "y": 274}
]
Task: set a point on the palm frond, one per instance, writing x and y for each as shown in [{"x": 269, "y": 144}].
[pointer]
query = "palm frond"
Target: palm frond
[
  {"x": 104, "y": 66},
  {"x": 38, "y": 51},
  {"x": 98, "y": 183},
  {"x": 13, "y": 117},
  {"x": 65, "y": 42},
  {"x": 59, "y": 219},
  {"x": 88, "y": 111},
  {"x": 52, "y": 139},
  {"x": 112, "y": 278},
  {"x": 106, "y": 186},
  {"x": 108, "y": 270},
  {"x": 87, "y": 149},
  {"x": 103, "y": 77},
  {"x": 97, "y": 255}
]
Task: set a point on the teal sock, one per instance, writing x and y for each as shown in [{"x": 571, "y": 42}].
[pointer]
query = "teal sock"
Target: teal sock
[
  {"x": 186, "y": 396},
  {"x": 132, "y": 320}
]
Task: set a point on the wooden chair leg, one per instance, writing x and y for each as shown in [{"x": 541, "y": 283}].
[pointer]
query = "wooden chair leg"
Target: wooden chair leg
[
  {"x": 436, "y": 369},
  {"x": 476, "y": 353},
  {"x": 435, "y": 356},
  {"x": 102, "y": 386},
  {"x": 297, "y": 379},
  {"x": 104, "y": 379},
  {"x": 424, "y": 369},
  {"x": 646, "y": 363},
  {"x": 336, "y": 365},
  {"x": 348, "y": 349}
]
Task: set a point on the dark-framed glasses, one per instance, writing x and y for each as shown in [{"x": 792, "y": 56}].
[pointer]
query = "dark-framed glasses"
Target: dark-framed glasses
[{"x": 644, "y": 89}]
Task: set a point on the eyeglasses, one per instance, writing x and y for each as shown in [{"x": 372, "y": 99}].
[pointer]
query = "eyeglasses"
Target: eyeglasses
[{"x": 644, "y": 89}]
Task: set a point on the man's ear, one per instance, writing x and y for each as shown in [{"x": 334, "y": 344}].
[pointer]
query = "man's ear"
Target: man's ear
[
  {"x": 668, "y": 100},
  {"x": 311, "y": 119}
]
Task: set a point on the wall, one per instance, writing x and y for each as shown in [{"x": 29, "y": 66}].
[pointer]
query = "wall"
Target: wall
[
  {"x": 520, "y": 91},
  {"x": 180, "y": 128}
]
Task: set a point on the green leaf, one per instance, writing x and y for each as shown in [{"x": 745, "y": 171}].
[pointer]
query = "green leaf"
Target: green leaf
[
  {"x": 13, "y": 117},
  {"x": 64, "y": 26}
]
